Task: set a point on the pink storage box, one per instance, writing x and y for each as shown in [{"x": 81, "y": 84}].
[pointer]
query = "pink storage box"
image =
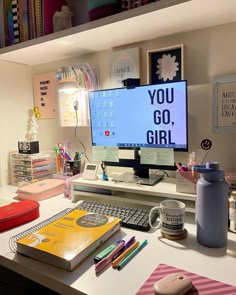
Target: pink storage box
[{"x": 41, "y": 190}]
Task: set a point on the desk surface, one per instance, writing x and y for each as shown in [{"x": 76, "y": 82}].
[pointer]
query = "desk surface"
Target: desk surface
[{"x": 219, "y": 264}]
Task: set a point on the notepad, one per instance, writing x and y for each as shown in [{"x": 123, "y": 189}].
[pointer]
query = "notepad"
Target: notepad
[
  {"x": 201, "y": 285},
  {"x": 67, "y": 238}
]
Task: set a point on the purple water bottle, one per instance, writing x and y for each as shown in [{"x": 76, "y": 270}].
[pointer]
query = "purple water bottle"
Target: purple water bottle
[{"x": 211, "y": 206}]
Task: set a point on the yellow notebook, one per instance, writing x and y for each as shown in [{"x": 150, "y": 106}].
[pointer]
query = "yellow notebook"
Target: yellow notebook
[{"x": 67, "y": 238}]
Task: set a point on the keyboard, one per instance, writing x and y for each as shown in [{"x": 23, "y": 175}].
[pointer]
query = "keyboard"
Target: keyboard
[{"x": 134, "y": 218}]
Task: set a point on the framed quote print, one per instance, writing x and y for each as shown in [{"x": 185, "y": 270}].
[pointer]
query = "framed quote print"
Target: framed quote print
[
  {"x": 124, "y": 64},
  {"x": 165, "y": 65},
  {"x": 224, "y": 103}
]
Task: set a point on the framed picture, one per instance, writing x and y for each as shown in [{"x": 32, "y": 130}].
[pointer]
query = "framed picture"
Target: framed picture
[
  {"x": 165, "y": 65},
  {"x": 124, "y": 64},
  {"x": 45, "y": 95},
  {"x": 224, "y": 103}
]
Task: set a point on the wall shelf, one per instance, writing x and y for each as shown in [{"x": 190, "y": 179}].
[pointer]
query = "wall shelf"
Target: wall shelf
[{"x": 159, "y": 19}]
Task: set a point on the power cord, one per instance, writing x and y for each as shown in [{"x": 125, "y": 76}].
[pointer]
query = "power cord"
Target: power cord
[{"x": 75, "y": 134}]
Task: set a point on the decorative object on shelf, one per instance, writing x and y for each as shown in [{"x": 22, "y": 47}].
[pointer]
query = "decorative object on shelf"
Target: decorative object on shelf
[
  {"x": 32, "y": 146},
  {"x": 74, "y": 82},
  {"x": 130, "y": 4},
  {"x": 165, "y": 65},
  {"x": 33, "y": 131},
  {"x": 224, "y": 103},
  {"x": 62, "y": 20},
  {"x": 124, "y": 64},
  {"x": 45, "y": 95},
  {"x": 101, "y": 8}
]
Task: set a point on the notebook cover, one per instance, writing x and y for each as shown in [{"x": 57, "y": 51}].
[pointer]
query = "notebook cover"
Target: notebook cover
[
  {"x": 67, "y": 241},
  {"x": 201, "y": 285}
]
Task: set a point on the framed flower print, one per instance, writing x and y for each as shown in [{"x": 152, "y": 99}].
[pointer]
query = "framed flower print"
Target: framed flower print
[{"x": 165, "y": 65}]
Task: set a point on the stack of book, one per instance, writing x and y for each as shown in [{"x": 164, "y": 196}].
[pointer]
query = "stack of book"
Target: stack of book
[
  {"x": 65, "y": 239},
  {"x": 22, "y": 20}
]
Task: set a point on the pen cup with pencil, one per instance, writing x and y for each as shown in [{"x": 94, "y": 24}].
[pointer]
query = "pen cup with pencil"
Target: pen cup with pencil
[{"x": 73, "y": 167}]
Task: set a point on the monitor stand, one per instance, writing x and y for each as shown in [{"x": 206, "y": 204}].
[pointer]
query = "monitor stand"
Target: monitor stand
[
  {"x": 143, "y": 172},
  {"x": 151, "y": 180}
]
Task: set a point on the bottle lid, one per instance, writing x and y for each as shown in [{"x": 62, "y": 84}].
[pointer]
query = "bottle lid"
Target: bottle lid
[{"x": 209, "y": 171}]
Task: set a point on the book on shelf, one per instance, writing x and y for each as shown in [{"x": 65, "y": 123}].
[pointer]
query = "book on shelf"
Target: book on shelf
[
  {"x": 2, "y": 25},
  {"x": 23, "y": 20},
  {"x": 12, "y": 22},
  {"x": 65, "y": 239},
  {"x": 32, "y": 19}
]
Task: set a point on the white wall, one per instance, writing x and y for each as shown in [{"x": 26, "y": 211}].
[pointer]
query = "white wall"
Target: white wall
[
  {"x": 208, "y": 53},
  {"x": 16, "y": 103}
]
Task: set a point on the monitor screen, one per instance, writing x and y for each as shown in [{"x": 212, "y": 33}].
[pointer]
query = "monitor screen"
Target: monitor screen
[{"x": 144, "y": 116}]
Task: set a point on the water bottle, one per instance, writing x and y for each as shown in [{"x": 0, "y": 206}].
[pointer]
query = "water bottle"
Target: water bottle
[{"x": 211, "y": 205}]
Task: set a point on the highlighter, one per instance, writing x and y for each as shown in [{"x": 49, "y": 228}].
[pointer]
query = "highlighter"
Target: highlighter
[{"x": 104, "y": 253}]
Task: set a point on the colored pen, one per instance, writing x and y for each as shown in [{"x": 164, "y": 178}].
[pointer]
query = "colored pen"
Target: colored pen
[
  {"x": 126, "y": 246},
  {"x": 131, "y": 255},
  {"x": 124, "y": 254},
  {"x": 104, "y": 253},
  {"x": 102, "y": 264}
]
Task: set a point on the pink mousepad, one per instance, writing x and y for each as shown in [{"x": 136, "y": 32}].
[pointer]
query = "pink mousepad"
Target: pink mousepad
[{"x": 201, "y": 285}]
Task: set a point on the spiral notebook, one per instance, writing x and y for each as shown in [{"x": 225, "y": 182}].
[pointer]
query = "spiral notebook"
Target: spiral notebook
[
  {"x": 201, "y": 285},
  {"x": 65, "y": 239}
]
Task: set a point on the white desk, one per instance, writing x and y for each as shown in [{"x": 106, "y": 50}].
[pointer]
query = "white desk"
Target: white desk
[{"x": 219, "y": 264}]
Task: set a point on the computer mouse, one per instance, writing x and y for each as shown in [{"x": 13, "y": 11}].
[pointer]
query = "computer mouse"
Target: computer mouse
[{"x": 173, "y": 284}]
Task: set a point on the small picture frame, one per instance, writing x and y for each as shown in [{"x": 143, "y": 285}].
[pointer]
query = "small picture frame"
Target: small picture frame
[
  {"x": 124, "y": 64},
  {"x": 165, "y": 65},
  {"x": 224, "y": 103}
]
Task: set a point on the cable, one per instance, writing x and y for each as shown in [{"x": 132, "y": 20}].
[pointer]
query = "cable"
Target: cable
[
  {"x": 163, "y": 171},
  {"x": 76, "y": 107},
  {"x": 75, "y": 135}
]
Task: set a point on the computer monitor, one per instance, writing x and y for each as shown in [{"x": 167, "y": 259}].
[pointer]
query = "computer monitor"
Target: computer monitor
[{"x": 152, "y": 116}]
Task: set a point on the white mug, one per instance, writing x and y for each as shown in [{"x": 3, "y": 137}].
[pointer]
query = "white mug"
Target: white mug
[{"x": 171, "y": 217}]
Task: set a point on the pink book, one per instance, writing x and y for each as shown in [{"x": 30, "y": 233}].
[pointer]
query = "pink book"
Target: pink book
[
  {"x": 49, "y": 7},
  {"x": 201, "y": 285}
]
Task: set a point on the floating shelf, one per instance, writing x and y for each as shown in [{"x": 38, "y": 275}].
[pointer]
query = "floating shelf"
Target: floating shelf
[{"x": 158, "y": 19}]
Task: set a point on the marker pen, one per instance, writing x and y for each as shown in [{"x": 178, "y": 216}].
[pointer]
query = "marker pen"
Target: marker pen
[
  {"x": 104, "y": 253},
  {"x": 131, "y": 255}
]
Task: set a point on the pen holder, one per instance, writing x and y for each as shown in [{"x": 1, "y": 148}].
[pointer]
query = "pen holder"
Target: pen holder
[
  {"x": 73, "y": 167},
  {"x": 186, "y": 182}
]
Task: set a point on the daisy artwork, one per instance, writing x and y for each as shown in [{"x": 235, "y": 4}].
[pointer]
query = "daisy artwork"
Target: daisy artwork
[{"x": 165, "y": 65}]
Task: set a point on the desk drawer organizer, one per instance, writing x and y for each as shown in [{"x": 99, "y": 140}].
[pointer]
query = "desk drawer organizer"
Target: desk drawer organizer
[
  {"x": 41, "y": 190},
  {"x": 18, "y": 213},
  {"x": 31, "y": 167}
]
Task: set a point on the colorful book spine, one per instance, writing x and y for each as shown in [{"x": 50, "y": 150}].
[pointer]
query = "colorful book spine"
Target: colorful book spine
[
  {"x": 38, "y": 17},
  {"x": 10, "y": 22},
  {"x": 32, "y": 23},
  {"x": 2, "y": 25},
  {"x": 15, "y": 21},
  {"x": 23, "y": 20}
]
